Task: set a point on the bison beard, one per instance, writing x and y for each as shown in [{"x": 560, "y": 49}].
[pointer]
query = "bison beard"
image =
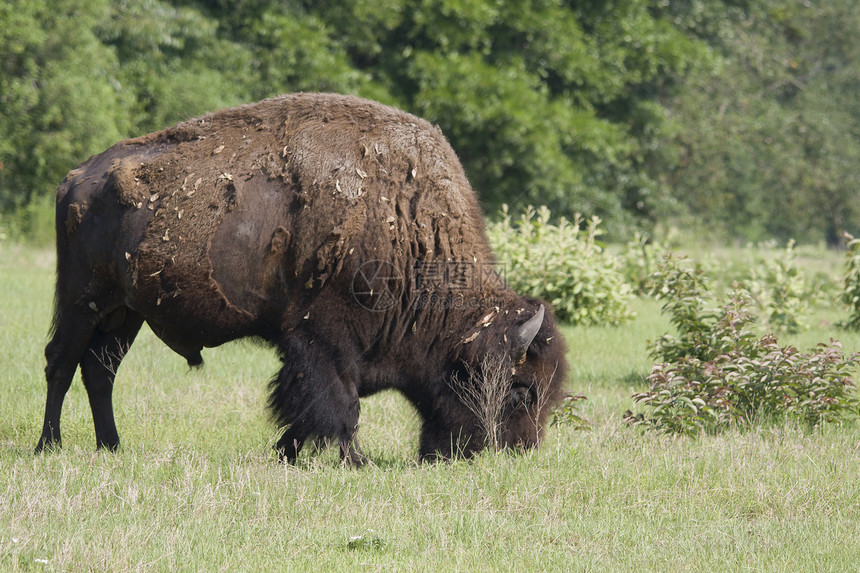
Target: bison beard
[{"x": 342, "y": 232}]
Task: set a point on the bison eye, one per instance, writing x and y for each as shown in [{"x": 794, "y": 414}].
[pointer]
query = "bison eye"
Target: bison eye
[{"x": 521, "y": 395}]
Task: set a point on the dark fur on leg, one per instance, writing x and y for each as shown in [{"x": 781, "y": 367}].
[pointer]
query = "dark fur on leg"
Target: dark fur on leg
[{"x": 312, "y": 400}]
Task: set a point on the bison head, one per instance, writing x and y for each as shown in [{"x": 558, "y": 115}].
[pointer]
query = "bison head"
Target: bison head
[{"x": 501, "y": 388}]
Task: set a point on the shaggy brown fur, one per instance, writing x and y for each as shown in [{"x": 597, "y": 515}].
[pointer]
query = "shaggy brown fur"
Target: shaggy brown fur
[{"x": 339, "y": 230}]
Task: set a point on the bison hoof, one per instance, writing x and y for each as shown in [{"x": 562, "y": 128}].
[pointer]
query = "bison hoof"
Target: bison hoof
[
  {"x": 351, "y": 455},
  {"x": 107, "y": 446},
  {"x": 288, "y": 450},
  {"x": 355, "y": 460},
  {"x": 47, "y": 446}
]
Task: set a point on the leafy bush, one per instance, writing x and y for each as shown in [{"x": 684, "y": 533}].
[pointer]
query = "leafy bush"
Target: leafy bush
[
  {"x": 782, "y": 292},
  {"x": 563, "y": 264},
  {"x": 640, "y": 260},
  {"x": 567, "y": 415},
  {"x": 851, "y": 284},
  {"x": 719, "y": 374},
  {"x": 684, "y": 285},
  {"x": 33, "y": 222}
]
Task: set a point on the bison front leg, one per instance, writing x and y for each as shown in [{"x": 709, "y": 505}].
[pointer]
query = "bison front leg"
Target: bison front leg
[
  {"x": 351, "y": 454},
  {"x": 312, "y": 400}
]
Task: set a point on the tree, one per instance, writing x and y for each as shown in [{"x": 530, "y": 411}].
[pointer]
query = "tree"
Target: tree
[
  {"x": 545, "y": 103},
  {"x": 769, "y": 141},
  {"x": 736, "y": 115},
  {"x": 175, "y": 62},
  {"x": 61, "y": 96}
]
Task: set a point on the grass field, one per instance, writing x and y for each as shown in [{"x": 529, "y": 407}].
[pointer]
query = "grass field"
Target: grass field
[{"x": 196, "y": 487}]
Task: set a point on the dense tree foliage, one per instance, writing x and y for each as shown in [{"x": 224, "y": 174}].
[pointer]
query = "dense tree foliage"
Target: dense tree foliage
[
  {"x": 738, "y": 116},
  {"x": 769, "y": 142}
]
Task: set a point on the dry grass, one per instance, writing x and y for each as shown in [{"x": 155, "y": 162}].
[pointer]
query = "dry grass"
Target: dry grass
[{"x": 485, "y": 391}]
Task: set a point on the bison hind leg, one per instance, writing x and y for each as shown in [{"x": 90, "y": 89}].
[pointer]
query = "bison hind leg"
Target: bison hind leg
[
  {"x": 98, "y": 346},
  {"x": 99, "y": 365},
  {"x": 313, "y": 401},
  {"x": 72, "y": 331}
]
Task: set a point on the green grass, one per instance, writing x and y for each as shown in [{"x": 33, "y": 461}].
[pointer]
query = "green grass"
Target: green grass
[{"x": 196, "y": 487}]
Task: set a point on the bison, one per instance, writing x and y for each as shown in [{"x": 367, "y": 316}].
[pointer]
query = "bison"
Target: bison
[{"x": 341, "y": 232}]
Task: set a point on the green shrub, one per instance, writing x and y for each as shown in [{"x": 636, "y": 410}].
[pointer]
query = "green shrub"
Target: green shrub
[
  {"x": 563, "y": 264},
  {"x": 717, "y": 373},
  {"x": 782, "y": 292},
  {"x": 567, "y": 415},
  {"x": 851, "y": 285},
  {"x": 684, "y": 285},
  {"x": 32, "y": 223},
  {"x": 640, "y": 260}
]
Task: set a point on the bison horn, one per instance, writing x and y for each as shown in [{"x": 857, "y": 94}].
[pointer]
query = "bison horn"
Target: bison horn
[{"x": 526, "y": 334}]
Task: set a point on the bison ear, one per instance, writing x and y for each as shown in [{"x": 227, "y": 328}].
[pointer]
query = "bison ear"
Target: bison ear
[{"x": 526, "y": 334}]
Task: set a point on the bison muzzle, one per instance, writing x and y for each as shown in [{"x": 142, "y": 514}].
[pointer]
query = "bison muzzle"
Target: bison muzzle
[{"x": 341, "y": 232}]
